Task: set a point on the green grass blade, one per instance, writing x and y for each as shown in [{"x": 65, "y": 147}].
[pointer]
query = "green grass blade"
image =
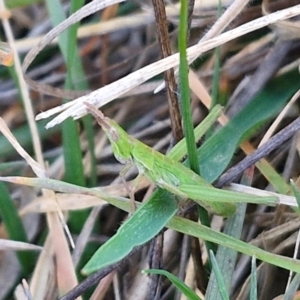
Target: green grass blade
[
  {"x": 253, "y": 284},
  {"x": 71, "y": 144},
  {"x": 296, "y": 192},
  {"x": 181, "y": 286},
  {"x": 292, "y": 289},
  {"x": 188, "y": 227},
  {"x": 185, "y": 97},
  {"x": 74, "y": 172},
  {"x": 226, "y": 257},
  {"x": 19, "y": 3},
  {"x": 216, "y": 78},
  {"x": 8, "y": 166},
  {"x": 179, "y": 150},
  {"x": 15, "y": 229},
  {"x": 222, "y": 288},
  {"x": 185, "y": 89},
  {"x": 217, "y": 67},
  {"x": 21, "y": 134}
]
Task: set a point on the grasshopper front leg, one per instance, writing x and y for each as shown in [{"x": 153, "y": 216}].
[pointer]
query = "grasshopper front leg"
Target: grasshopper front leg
[{"x": 130, "y": 191}]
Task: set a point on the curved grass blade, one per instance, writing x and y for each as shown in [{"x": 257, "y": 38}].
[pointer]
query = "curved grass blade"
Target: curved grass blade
[{"x": 181, "y": 286}]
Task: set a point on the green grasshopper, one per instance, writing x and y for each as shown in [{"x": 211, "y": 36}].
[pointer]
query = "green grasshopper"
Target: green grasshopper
[{"x": 169, "y": 174}]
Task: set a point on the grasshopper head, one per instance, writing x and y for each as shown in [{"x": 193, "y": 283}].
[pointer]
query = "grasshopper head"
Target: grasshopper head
[{"x": 120, "y": 141}]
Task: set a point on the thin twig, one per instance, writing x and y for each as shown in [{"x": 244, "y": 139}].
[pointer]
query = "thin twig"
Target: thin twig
[
  {"x": 96, "y": 277},
  {"x": 164, "y": 43},
  {"x": 261, "y": 152}
]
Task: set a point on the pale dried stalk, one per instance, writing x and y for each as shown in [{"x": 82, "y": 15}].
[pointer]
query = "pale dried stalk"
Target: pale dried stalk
[
  {"x": 15, "y": 245},
  {"x": 23, "y": 88},
  {"x": 74, "y": 18},
  {"x": 104, "y": 27}
]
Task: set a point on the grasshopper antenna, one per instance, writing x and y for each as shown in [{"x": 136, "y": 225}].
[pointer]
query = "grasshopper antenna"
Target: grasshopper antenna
[{"x": 98, "y": 115}]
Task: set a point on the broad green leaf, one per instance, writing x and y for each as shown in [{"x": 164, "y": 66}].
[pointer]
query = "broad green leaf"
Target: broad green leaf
[
  {"x": 217, "y": 152},
  {"x": 142, "y": 226}
]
